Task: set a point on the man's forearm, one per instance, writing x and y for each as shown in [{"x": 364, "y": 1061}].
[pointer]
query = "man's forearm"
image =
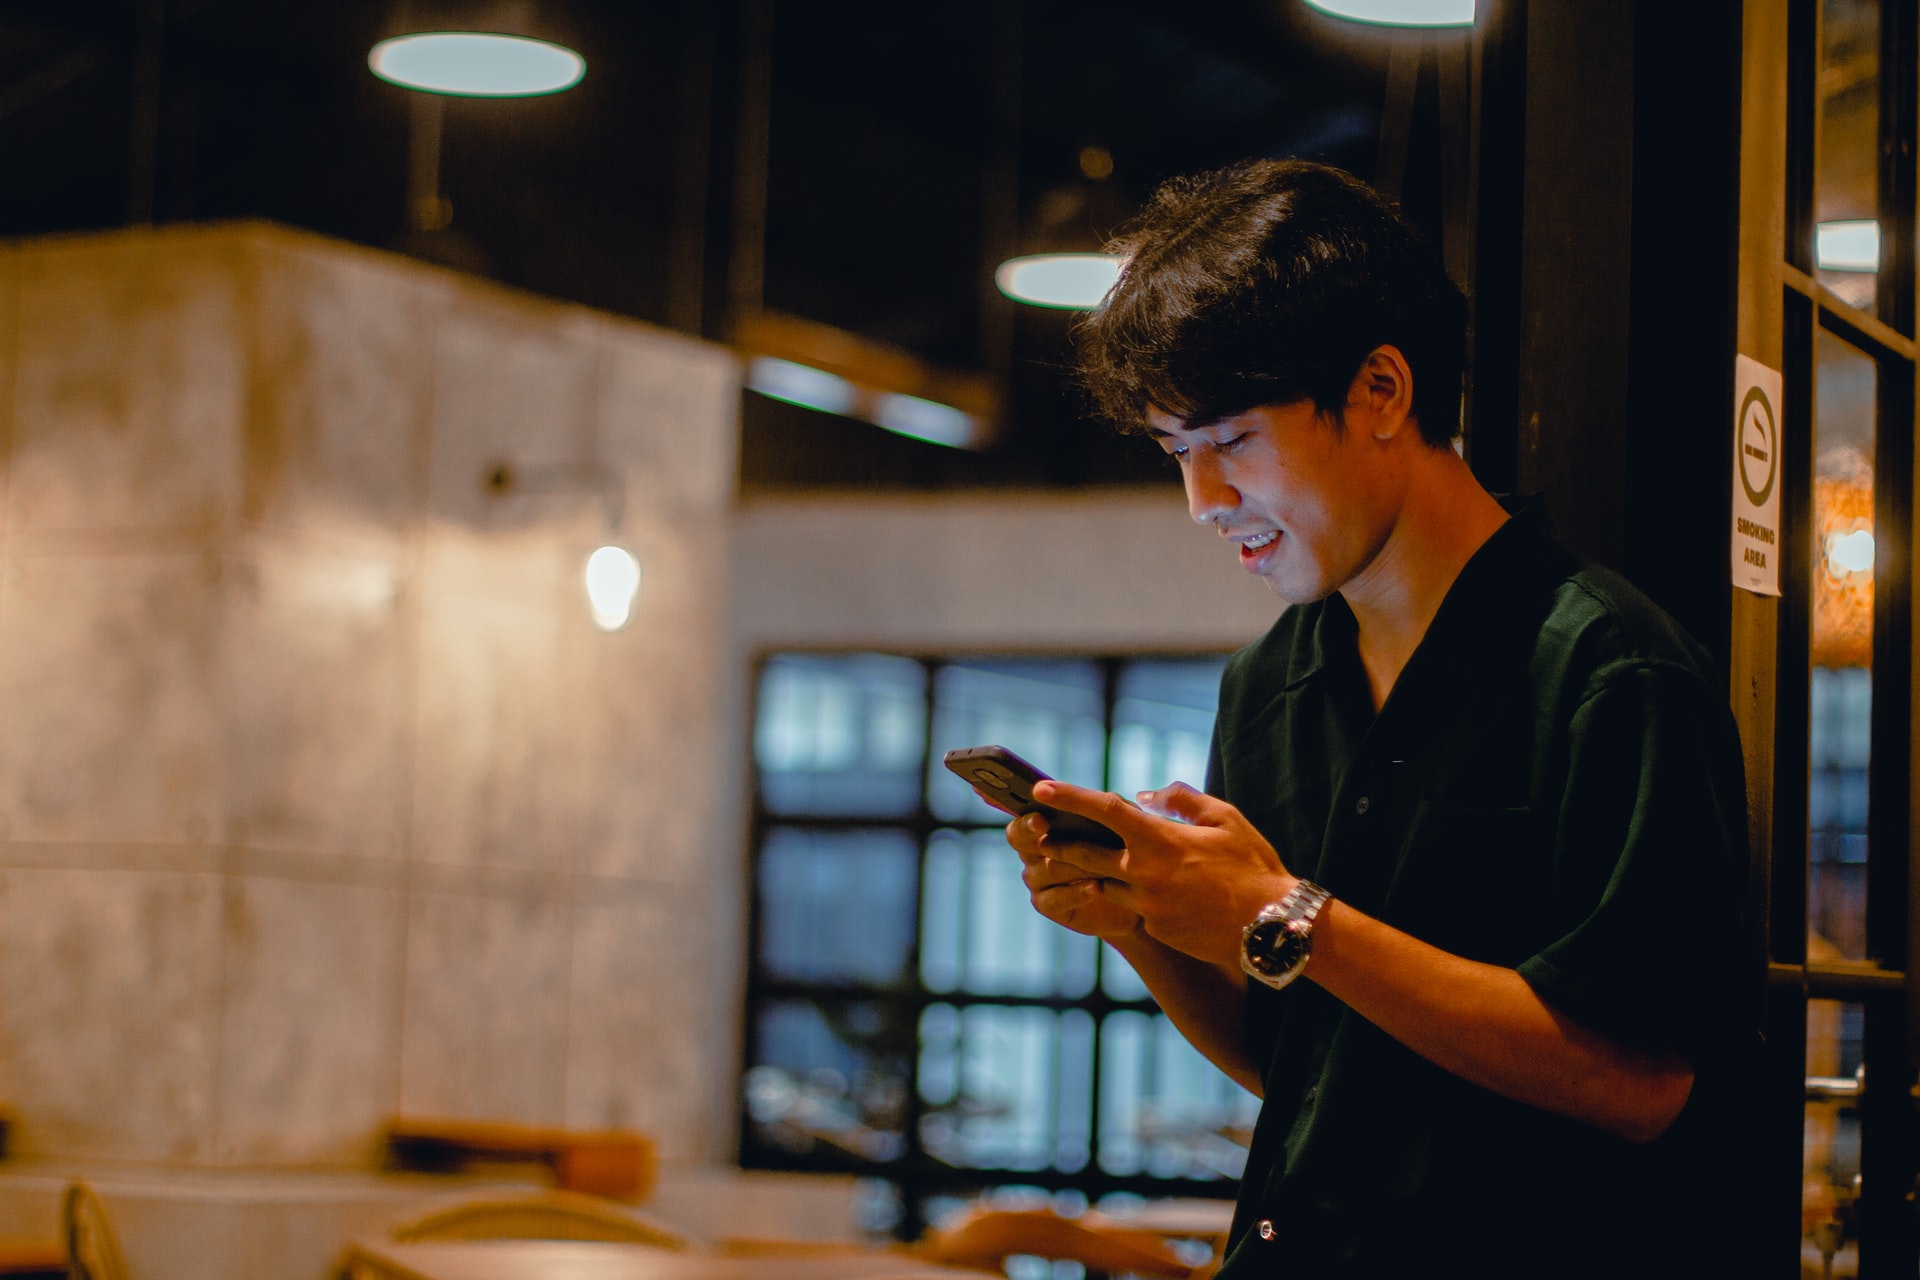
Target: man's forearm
[
  {"x": 1207, "y": 1003},
  {"x": 1486, "y": 1025}
]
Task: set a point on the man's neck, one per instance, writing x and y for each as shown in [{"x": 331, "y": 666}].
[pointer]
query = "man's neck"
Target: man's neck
[{"x": 1446, "y": 519}]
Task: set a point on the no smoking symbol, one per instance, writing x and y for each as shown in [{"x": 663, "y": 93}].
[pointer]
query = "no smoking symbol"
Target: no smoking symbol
[{"x": 1758, "y": 439}]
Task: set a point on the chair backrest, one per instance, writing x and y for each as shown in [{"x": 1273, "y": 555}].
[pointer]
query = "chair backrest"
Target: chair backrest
[
  {"x": 538, "y": 1215},
  {"x": 93, "y": 1252}
]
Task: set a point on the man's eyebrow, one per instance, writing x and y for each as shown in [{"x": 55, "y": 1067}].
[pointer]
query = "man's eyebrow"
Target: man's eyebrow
[{"x": 1198, "y": 423}]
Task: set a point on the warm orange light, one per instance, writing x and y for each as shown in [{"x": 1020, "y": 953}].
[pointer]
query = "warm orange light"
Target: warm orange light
[{"x": 1843, "y": 570}]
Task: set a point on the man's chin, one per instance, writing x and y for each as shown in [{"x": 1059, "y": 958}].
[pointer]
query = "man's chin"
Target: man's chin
[{"x": 1292, "y": 593}]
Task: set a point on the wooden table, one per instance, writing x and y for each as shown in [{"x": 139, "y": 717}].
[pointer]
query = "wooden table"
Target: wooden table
[
  {"x": 580, "y": 1260},
  {"x": 33, "y": 1259},
  {"x": 1174, "y": 1218}
]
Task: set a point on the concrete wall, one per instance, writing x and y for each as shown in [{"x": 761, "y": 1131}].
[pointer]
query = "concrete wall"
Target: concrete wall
[
  {"x": 1090, "y": 572},
  {"x": 320, "y": 797}
]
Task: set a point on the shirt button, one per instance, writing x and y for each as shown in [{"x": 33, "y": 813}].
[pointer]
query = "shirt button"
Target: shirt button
[
  {"x": 1265, "y": 1229},
  {"x": 1362, "y": 805}
]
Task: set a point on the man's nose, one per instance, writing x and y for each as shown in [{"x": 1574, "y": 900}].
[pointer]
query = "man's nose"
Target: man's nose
[{"x": 1209, "y": 496}]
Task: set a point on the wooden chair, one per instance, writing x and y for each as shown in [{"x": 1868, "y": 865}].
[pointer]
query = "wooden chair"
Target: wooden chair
[
  {"x": 986, "y": 1238},
  {"x": 538, "y": 1215},
  {"x": 93, "y": 1251}
]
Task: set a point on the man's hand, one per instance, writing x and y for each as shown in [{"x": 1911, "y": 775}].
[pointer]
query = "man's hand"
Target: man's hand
[
  {"x": 1193, "y": 873},
  {"x": 1061, "y": 890}
]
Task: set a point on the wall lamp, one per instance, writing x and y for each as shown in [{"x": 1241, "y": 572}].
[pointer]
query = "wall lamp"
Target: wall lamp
[{"x": 612, "y": 575}]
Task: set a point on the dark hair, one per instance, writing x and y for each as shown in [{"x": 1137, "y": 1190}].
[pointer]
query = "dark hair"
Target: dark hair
[{"x": 1269, "y": 282}]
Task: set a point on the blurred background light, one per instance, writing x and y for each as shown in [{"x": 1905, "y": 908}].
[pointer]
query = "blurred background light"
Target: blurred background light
[
  {"x": 800, "y": 384},
  {"x": 1064, "y": 280},
  {"x": 1853, "y": 245},
  {"x": 476, "y": 64},
  {"x": 926, "y": 420},
  {"x": 1850, "y": 552},
  {"x": 613, "y": 583},
  {"x": 1401, "y": 13}
]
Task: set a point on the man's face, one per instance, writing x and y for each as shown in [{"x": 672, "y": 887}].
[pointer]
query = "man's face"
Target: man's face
[{"x": 1305, "y": 501}]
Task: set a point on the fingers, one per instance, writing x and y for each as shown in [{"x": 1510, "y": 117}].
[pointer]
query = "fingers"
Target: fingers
[
  {"x": 1181, "y": 802},
  {"x": 1042, "y": 858},
  {"x": 1043, "y": 873},
  {"x": 1113, "y": 812}
]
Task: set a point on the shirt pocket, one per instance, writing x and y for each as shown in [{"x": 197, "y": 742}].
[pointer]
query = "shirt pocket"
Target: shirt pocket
[{"x": 1470, "y": 879}]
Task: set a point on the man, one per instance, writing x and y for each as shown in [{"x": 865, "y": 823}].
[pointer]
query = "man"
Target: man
[{"x": 1464, "y": 899}]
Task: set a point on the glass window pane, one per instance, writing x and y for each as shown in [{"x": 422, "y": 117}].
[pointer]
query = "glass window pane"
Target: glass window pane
[
  {"x": 1006, "y": 1087},
  {"x": 1051, "y": 713},
  {"x": 840, "y": 735},
  {"x": 837, "y": 906},
  {"x": 829, "y": 1076},
  {"x": 1842, "y": 648},
  {"x": 1163, "y": 723},
  {"x": 1847, "y": 188},
  {"x": 1164, "y": 1109},
  {"x": 1830, "y": 1169},
  {"x": 1117, "y": 977},
  {"x": 980, "y": 931}
]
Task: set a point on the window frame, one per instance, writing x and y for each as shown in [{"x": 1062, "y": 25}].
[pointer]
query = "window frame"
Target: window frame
[{"x": 920, "y": 1177}]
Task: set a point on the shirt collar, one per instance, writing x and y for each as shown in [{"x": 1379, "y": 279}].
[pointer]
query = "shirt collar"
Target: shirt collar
[{"x": 1485, "y": 586}]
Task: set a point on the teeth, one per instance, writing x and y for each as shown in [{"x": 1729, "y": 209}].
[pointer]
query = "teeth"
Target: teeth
[{"x": 1254, "y": 544}]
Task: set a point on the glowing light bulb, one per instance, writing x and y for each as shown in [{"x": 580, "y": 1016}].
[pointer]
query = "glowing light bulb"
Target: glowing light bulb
[
  {"x": 1850, "y": 552},
  {"x": 476, "y": 64},
  {"x": 613, "y": 583}
]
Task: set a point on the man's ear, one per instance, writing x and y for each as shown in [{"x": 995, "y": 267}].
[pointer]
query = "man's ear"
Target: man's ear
[{"x": 1382, "y": 392}]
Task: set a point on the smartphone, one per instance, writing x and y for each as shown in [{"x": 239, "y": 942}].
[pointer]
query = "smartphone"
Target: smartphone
[{"x": 997, "y": 772}]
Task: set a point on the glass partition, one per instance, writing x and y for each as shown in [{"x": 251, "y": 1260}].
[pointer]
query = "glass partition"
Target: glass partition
[{"x": 1841, "y": 650}]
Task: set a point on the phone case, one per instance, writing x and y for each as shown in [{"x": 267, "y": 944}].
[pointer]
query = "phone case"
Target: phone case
[{"x": 998, "y": 772}]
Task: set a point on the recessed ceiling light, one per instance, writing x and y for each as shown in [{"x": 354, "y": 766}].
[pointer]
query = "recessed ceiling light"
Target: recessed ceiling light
[
  {"x": 1401, "y": 13},
  {"x": 476, "y": 64}
]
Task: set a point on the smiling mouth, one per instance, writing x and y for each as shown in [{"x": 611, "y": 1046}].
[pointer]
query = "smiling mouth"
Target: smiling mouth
[{"x": 1255, "y": 543}]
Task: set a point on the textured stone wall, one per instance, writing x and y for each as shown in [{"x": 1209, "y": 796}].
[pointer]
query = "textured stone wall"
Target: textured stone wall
[{"x": 320, "y": 796}]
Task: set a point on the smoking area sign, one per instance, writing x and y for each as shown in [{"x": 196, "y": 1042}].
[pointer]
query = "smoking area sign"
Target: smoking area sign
[{"x": 1756, "y": 477}]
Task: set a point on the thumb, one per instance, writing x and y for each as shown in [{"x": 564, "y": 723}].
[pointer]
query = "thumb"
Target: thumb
[{"x": 1177, "y": 800}]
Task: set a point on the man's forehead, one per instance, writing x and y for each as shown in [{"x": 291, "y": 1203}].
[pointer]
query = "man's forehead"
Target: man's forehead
[{"x": 1163, "y": 424}]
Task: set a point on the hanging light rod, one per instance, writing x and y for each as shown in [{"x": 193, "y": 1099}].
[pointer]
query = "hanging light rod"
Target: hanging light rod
[
  {"x": 476, "y": 64},
  {"x": 1401, "y": 13}
]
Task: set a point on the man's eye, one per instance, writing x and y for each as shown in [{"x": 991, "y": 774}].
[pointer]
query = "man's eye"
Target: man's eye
[{"x": 1233, "y": 442}]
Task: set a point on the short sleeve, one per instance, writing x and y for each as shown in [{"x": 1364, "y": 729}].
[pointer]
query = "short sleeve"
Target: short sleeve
[{"x": 1650, "y": 863}]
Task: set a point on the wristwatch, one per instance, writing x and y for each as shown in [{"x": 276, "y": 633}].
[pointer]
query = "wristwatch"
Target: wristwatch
[{"x": 1274, "y": 948}]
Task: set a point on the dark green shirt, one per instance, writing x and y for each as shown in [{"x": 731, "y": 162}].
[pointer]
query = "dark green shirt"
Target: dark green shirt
[{"x": 1554, "y": 785}]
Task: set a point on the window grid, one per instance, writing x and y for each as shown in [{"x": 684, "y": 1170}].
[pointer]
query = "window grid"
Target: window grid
[{"x": 977, "y": 1046}]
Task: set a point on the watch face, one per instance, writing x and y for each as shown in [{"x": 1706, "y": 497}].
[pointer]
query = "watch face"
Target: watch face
[{"x": 1272, "y": 948}]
